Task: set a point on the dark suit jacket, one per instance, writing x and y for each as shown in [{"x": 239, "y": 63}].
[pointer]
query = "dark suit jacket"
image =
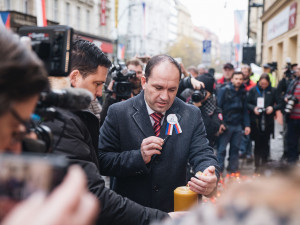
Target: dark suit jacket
[
  {"x": 126, "y": 125},
  {"x": 78, "y": 143}
]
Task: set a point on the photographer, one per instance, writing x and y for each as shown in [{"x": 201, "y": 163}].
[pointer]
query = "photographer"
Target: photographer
[
  {"x": 211, "y": 114},
  {"x": 134, "y": 65},
  {"x": 262, "y": 104},
  {"x": 78, "y": 139},
  {"x": 22, "y": 78},
  {"x": 283, "y": 84},
  {"x": 292, "y": 110}
]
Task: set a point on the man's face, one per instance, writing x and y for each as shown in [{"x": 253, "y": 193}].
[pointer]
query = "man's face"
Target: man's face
[
  {"x": 161, "y": 87},
  {"x": 202, "y": 71},
  {"x": 136, "y": 82},
  {"x": 263, "y": 83},
  {"x": 267, "y": 70},
  {"x": 246, "y": 73},
  {"x": 227, "y": 73},
  {"x": 93, "y": 82},
  {"x": 237, "y": 80},
  {"x": 11, "y": 126}
]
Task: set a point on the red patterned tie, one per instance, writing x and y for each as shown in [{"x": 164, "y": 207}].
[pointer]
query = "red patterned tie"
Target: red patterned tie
[{"x": 157, "y": 118}]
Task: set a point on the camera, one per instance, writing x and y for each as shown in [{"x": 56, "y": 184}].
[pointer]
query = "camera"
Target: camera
[
  {"x": 289, "y": 73},
  {"x": 22, "y": 175},
  {"x": 122, "y": 86},
  {"x": 292, "y": 101},
  {"x": 52, "y": 44},
  {"x": 199, "y": 95},
  {"x": 261, "y": 110}
]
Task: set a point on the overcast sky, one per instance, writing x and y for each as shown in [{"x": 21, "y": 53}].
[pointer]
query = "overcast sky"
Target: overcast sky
[{"x": 217, "y": 15}]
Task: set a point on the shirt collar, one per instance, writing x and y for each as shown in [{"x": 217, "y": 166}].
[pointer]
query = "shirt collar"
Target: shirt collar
[{"x": 149, "y": 110}]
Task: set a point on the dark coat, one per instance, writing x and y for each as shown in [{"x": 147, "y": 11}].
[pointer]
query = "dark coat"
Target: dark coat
[
  {"x": 234, "y": 105},
  {"x": 271, "y": 99},
  {"x": 78, "y": 145},
  {"x": 126, "y": 125}
]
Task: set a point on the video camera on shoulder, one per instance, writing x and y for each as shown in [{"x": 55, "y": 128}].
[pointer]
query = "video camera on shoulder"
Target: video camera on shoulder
[
  {"x": 52, "y": 44},
  {"x": 289, "y": 73},
  {"x": 122, "y": 86}
]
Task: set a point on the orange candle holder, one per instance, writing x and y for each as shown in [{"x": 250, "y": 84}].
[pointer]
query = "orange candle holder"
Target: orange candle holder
[{"x": 184, "y": 198}]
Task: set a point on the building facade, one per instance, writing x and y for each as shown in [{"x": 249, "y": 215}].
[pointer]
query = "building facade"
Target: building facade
[
  {"x": 84, "y": 16},
  {"x": 280, "y": 40}
]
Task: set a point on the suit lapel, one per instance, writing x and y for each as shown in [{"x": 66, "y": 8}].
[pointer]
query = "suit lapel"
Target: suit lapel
[{"x": 141, "y": 116}]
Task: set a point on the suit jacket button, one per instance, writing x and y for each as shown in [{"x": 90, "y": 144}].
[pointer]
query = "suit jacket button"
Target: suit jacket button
[{"x": 155, "y": 188}]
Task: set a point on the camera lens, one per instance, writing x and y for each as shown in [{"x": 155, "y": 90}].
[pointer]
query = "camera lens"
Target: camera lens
[{"x": 198, "y": 96}]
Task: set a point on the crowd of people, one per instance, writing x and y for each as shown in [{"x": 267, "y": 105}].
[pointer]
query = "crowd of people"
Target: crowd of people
[{"x": 175, "y": 124}]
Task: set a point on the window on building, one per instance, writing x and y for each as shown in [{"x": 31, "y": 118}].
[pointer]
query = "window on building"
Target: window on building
[
  {"x": 55, "y": 10},
  {"x": 78, "y": 18},
  {"x": 88, "y": 20},
  {"x": 67, "y": 19}
]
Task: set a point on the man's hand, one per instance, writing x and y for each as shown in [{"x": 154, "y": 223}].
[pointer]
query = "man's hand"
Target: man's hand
[
  {"x": 247, "y": 130},
  {"x": 256, "y": 111},
  {"x": 206, "y": 182},
  {"x": 79, "y": 206},
  {"x": 151, "y": 146},
  {"x": 269, "y": 110},
  {"x": 222, "y": 128},
  {"x": 197, "y": 85}
]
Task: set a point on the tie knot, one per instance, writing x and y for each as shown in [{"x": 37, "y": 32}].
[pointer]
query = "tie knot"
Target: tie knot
[{"x": 157, "y": 116}]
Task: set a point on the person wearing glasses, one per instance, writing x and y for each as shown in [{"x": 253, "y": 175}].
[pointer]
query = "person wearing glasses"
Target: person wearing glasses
[{"x": 22, "y": 78}]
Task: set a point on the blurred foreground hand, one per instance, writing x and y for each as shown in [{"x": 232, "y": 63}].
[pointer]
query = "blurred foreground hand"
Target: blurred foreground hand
[{"x": 70, "y": 203}]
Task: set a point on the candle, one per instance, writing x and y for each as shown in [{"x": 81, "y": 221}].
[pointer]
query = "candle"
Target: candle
[{"x": 184, "y": 198}]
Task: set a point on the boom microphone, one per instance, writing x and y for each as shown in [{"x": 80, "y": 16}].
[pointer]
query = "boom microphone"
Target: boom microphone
[{"x": 71, "y": 98}]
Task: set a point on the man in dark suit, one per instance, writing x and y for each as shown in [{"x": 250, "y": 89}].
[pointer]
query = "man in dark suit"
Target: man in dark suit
[{"x": 133, "y": 146}]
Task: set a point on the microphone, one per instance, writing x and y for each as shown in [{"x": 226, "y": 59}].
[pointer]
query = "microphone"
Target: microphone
[{"x": 71, "y": 98}]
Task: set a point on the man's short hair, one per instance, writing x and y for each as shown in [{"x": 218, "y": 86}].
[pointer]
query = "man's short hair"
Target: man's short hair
[
  {"x": 245, "y": 66},
  {"x": 135, "y": 62},
  {"x": 228, "y": 66},
  {"x": 22, "y": 74},
  {"x": 237, "y": 73},
  {"x": 156, "y": 60},
  {"x": 193, "y": 68},
  {"x": 86, "y": 57}
]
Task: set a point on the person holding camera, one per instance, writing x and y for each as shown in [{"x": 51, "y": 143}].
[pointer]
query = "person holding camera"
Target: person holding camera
[
  {"x": 147, "y": 141},
  {"x": 22, "y": 78},
  {"x": 206, "y": 102},
  {"x": 78, "y": 141},
  {"x": 134, "y": 65},
  {"x": 262, "y": 104},
  {"x": 232, "y": 100},
  {"x": 292, "y": 110}
]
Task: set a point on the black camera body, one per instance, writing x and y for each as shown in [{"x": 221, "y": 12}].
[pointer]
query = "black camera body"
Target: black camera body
[
  {"x": 292, "y": 101},
  {"x": 199, "y": 95},
  {"x": 52, "y": 44},
  {"x": 122, "y": 86},
  {"x": 289, "y": 73},
  {"x": 261, "y": 110}
]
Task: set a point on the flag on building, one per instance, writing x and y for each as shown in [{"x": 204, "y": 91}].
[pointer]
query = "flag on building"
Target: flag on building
[
  {"x": 103, "y": 13},
  {"x": 240, "y": 24},
  {"x": 41, "y": 13},
  {"x": 121, "y": 51},
  {"x": 5, "y": 19}
]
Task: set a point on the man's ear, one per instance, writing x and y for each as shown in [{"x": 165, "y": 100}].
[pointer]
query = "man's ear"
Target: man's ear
[
  {"x": 74, "y": 77},
  {"x": 143, "y": 81}
]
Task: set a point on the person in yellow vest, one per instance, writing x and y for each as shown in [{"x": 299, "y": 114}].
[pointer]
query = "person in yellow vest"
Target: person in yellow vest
[{"x": 267, "y": 69}]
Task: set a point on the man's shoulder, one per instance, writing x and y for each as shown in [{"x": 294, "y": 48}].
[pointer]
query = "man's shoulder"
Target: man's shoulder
[{"x": 184, "y": 106}]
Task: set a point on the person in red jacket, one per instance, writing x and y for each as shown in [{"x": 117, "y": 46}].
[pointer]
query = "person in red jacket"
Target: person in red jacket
[
  {"x": 228, "y": 70},
  {"x": 246, "y": 70}
]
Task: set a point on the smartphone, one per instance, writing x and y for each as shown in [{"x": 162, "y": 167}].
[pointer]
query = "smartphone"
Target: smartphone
[{"x": 25, "y": 174}]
